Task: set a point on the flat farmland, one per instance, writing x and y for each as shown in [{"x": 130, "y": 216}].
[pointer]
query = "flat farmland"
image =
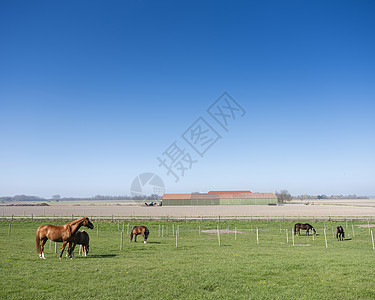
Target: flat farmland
[{"x": 321, "y": 208}]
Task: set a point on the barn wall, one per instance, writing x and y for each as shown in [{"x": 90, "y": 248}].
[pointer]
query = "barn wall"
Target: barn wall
[{"x": 239, "y": 201}]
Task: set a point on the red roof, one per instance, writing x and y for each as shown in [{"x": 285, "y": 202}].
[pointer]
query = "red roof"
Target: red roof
[{"x": 228, "y": 192}]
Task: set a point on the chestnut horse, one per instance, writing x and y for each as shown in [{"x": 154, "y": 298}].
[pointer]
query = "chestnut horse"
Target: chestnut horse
[
  {"x": 81, "y": 238},
  {"x": 64, "y": 234},
  {"x": 340, "y": 234},
  {"x": 307, "y": 227},
  {"x": 139, "y": 230}
]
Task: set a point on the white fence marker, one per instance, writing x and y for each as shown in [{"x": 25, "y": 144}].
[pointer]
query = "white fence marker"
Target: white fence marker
[
  {"x": 372, "y": 238},
  {"x": 257, "y": 236},
  {"x": 293, "y": 236},
  {"x": 218, "y": 234},
  {"x": 287, "y": 236},
  {"x": 325, "y": 237},
  {"x": 235, "y": 233},
  {"x": 122, "y": 238},
  {"x": 353, "y": 229}
]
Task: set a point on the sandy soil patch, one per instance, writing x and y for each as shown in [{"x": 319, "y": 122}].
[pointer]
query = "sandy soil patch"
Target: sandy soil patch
[{"x": 126, "y": 209}]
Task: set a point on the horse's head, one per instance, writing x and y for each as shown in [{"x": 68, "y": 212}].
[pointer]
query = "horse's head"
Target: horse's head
[
  {"x": 88, "y": 223},
  {"x": 314, "y": 231}
]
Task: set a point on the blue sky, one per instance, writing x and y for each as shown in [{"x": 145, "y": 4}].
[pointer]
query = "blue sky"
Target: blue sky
[{"x": 93, "y": 92}]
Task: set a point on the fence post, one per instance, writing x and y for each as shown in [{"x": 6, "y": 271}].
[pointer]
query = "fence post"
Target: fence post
[
  {"x": 159, "y": 231},
  {"x": 97, "y": 230},
  {"x": 368, "y": 224},
  {"x": 325, "y": 237},
  {"x": 199, "y": 230},
  {"x": 218, "y": 234},
  {"x": 122, "y": 238},
  {"x": 176, "y": 238},
  {"x": 235, "y": 233},
  {"x": 56, "y": 247},
  {"x": 257, "y": 236},
  {"x": 353, "y": 230},
  {"x": 372, "y": 238},
  {"x": 127, "y": 229},
  {"x": 162, "y": 231},
  {"x": 287, "y": 236},
  {"x": 9, "y": 229},
  {"x": 293, "y": 236}
]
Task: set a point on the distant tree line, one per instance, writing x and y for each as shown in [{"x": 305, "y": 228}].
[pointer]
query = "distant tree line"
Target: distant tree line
[
  {"x": 323, "y": 196},
  {"x": 97, "y": 197},
  {"x": 284, "y": 196}
]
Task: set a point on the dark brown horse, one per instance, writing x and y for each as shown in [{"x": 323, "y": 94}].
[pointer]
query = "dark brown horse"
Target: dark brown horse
[
  {"x": 340, "y": 234},
  {"x": 81, "y": 238},
  {"x": 307, "y": 227},
  {"x": 64, "y": 234},
  {"x": 139, "y": 230}
]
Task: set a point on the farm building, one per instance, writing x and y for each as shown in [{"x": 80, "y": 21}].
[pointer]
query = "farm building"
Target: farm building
[{"x": 220, "y": 198}]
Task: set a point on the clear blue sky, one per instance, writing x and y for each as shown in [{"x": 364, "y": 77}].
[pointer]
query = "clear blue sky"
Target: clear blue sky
[{"x": 93, "y": 92}]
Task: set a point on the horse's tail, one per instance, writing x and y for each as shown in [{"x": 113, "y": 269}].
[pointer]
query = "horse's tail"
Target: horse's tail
[
  {"x": 295, "y": 228},
  {"x": 37, "y": 240},
  {"x": 146, "y": 233}
]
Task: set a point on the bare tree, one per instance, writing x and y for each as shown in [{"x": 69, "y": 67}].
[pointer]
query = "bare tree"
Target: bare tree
[{"x": 283, "y": 196}]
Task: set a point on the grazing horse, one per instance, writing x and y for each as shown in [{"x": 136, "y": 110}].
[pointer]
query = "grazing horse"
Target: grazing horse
[
  {"x": 81, "y": 238},
  {"x": 307, "y": 227},
  {"x": 340, "y": 234},
  {"x": 64, "y": 234},
  {"x": 139, "y": 230}
]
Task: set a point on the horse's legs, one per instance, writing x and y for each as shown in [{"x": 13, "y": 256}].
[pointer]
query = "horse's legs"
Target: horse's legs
[
  {"x": 144, "y": 238},
  {"x": 42, "y": 243},
  {"x": 135, "y": 238},
  {"x": 62, "y": 249}
]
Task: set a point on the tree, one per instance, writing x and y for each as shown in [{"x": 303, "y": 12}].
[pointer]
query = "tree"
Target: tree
[
  {"x": 56, "y": 197},
  {"x": 283, "y": 196}
]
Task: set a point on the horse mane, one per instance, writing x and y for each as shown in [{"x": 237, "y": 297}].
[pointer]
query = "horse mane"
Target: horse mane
[{"x": 76, "y": 221}]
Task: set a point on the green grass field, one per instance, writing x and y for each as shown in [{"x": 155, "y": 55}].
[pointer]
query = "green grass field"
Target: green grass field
[{"x": 198, "y": 268}]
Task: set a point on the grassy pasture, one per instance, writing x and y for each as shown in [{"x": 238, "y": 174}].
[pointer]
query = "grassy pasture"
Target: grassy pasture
[{"x": 239, "y": 268}]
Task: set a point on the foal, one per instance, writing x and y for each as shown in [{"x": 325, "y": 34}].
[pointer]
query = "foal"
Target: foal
[{"x": 81, "y": 238}]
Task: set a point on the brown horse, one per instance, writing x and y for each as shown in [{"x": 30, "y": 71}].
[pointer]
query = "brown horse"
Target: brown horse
[
  {"x": 64, "y": 234},
  {"x": 340, "y": 234},
  {"x": 307, "y": 227},
  {"x": 139, "y": 230},
  {"x": 81, "y": 238}
]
